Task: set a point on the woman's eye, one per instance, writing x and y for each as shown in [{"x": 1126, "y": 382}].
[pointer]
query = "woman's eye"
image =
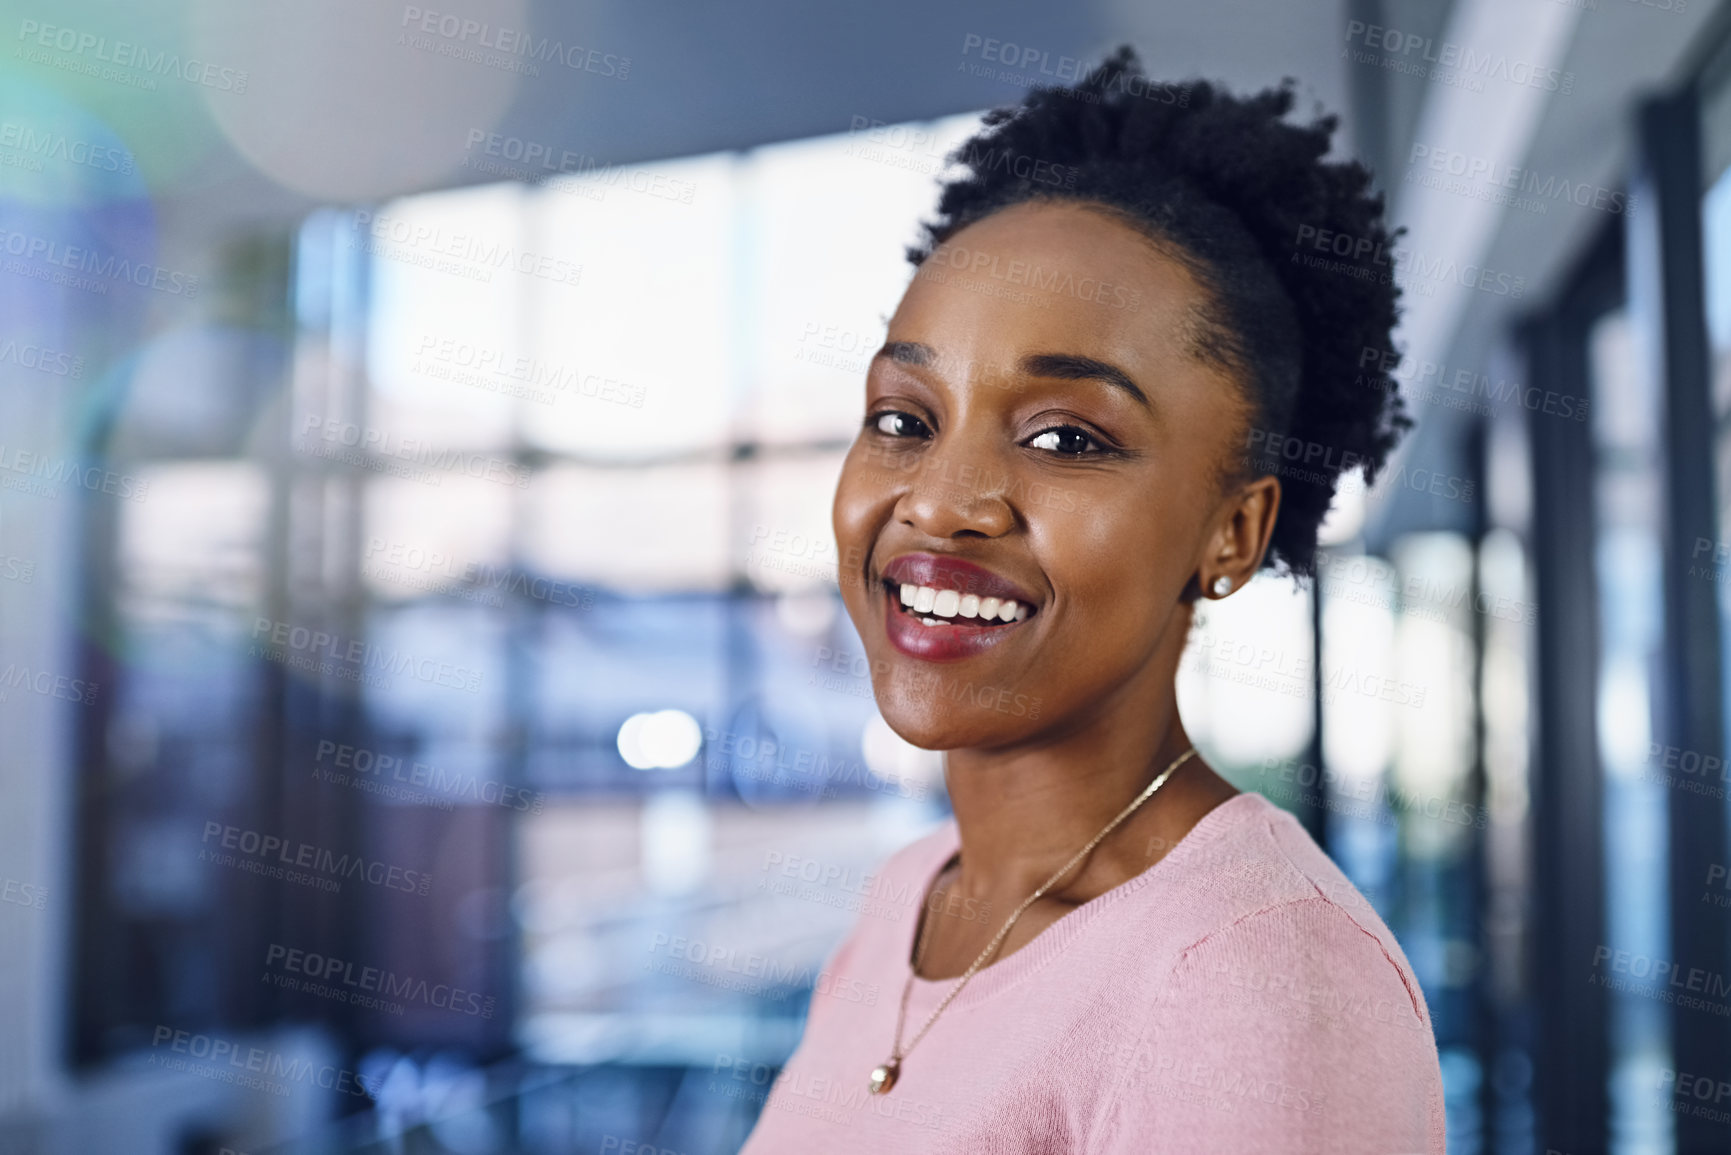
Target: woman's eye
[
  {"x": 898, "y": 424},
  {"x": 1066, "y": 439}
]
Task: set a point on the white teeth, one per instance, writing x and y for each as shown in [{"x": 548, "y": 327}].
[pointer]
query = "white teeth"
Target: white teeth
[{"x": 936, "y": 607}]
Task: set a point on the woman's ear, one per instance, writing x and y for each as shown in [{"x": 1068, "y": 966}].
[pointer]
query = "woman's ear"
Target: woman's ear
[{"x": 1241, "y": 535}]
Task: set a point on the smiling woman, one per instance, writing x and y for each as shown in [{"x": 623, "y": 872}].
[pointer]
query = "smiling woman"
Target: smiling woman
[{"x": 1054, "y": 465}]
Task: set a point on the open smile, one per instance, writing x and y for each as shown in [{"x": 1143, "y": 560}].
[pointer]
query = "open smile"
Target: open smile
[{"x": 944, "y": 609}]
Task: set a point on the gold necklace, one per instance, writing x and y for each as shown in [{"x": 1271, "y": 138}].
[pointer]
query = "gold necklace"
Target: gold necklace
[{"x": 884, "y": 1076}]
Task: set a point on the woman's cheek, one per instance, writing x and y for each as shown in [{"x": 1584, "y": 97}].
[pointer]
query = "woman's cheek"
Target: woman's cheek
[{"x": 852, "y": 518}]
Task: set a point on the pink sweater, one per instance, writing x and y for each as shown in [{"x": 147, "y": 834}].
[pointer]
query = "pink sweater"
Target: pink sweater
[{"x": 1239, "y": 995}]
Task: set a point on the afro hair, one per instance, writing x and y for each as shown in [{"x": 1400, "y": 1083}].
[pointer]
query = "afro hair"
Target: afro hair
[{"x": 1240, "y": 196}]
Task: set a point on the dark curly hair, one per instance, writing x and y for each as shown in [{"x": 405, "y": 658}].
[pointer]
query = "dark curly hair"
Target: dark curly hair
[{"x": 1227, "y": 187}]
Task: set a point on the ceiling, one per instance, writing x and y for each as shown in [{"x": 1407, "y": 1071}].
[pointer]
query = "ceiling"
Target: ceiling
[{"x": 355, "y": 102}]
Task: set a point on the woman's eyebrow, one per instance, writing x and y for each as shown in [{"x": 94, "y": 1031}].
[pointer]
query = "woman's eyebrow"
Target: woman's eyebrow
[
  {"x": 908, "y": 353},
  {"x": 1074, "y": 367},
  {"x": 1062, "y": 366}
]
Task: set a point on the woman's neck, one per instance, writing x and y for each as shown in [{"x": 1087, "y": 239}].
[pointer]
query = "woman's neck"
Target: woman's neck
[{"x": 1023, "y": 814}]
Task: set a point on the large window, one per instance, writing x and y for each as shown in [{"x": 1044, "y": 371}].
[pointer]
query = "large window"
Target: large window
[
  {"x": 1627, "y": 514},
  {"x": 512, "y": 583}
]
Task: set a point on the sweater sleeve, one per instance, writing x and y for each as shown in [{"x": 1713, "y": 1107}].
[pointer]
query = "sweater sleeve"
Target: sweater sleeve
[{"x": 1293, "y": 1029}]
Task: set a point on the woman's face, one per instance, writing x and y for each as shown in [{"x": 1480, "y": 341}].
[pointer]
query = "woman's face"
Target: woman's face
[{"x": 1039, "y": 429}]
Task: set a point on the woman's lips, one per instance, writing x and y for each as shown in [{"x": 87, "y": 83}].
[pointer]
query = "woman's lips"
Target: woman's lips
[
  {"x": 952, "y": 573},
  {"x": 908, "y": 633},
  {"x": 944, "y": 609}
]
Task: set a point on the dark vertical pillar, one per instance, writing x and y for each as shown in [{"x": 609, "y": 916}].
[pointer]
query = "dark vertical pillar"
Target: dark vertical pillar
[
  {"x": 1485, "y": 1022},
  {"x": 1666, "y": 288},
  {"x": 1572, "y": 1051}
]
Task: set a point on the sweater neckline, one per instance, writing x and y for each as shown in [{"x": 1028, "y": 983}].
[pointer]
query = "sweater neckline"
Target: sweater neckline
[{"x": 1050, "y": 942}]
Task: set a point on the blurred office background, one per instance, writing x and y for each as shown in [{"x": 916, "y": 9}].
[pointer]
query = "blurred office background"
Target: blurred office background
[{"x": 429, "y": 723}]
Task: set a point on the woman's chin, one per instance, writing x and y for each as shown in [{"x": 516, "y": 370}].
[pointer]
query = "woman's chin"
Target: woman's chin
[{"x": 946, "y": 725}]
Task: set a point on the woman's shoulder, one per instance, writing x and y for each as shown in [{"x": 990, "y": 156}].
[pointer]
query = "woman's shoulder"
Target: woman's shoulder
[
  {"x": 1263, "y": 870},
  {"x": 1284, "y": 1007},
  {"x": 1255, "y": 906}
]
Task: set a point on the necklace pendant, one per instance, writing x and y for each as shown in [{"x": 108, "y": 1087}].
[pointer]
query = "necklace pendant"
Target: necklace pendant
[{"x": 884, "y": 1077}]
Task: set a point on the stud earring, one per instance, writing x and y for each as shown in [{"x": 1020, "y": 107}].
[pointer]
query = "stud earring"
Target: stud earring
[{"x": 1222, "y": 586}]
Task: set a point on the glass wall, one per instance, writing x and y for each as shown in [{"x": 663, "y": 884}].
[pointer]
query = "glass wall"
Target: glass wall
[
  {"x": 510, "y": 591},
  {"x": 1627, "y": 514},
  {"x": 513, "y": 593}
]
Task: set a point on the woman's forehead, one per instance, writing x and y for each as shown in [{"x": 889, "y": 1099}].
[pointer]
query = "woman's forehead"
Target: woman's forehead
[{"x": 1053, "y": 278}]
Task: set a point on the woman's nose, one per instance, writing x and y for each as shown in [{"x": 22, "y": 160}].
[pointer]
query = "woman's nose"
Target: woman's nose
[{"x": 955, "y": 494}]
